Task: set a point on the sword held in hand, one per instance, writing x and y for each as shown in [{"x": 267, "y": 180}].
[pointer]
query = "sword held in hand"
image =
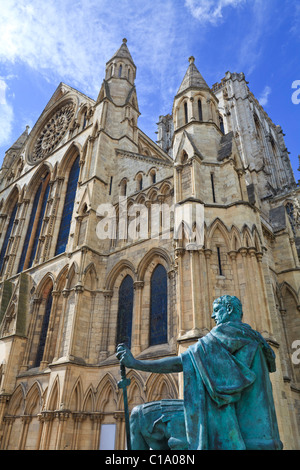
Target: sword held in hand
[{"x": 123, "y": 384}]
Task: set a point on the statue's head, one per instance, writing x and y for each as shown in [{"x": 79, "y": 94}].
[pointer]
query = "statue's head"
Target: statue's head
[{"x": 227, "y": 308}]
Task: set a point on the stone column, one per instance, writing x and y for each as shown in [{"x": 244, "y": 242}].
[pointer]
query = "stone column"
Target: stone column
[
  {"x": 120, "y": 430},
  {"x": 32, "y": 327},
  {"x": 136, "y": 320},
  {"x": 179, "y": 253},
  {"x": 62, "y": 416},
  {"x": 26, "y": 419},
  {"x": 49, "y": 338},
  {"x": 97, "y": 419},
  {"x": 207, "y": 254},
  {"x": 78, "y": 418},
  {"x": 232, "y": 255},
  {"x": 8, "y": 424},
  {"x": 105, "y": 325},
  {"x": 46, "y": 417},
  {"x": 266, "y": 317}
]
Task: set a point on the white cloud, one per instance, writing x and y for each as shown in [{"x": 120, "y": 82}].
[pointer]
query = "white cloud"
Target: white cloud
[
  {"x": 71, "y": 40},
  {"x": 264, "y": 97},
  {"x": 6, "y": 114},
  {"x": 210, "y": 11}
]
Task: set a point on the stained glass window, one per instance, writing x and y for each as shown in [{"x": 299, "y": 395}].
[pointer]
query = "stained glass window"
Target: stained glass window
[
  {"x": 65, "y": 224},
  {"x": 7, "y": 235},
  {"x": 125, "y": 311},
  {"x": 39, "y": 224},
  {"x": 158, "y": 306},
  {"x": 30, "y": 226},
  {"x": 44, "y": 329}
]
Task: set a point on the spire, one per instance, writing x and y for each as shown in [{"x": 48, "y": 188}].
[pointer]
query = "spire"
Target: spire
[
  {"x": 192, "y": 78},
  {"x": 122, "y": 53},
  {"x": 20, "y": 141}
]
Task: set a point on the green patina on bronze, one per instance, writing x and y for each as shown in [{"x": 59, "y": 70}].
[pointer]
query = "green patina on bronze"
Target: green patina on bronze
[{"x": 228, "y": 401}]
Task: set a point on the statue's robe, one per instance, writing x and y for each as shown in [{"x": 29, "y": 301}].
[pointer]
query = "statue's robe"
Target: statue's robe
[{"x": 228, "y": 401}]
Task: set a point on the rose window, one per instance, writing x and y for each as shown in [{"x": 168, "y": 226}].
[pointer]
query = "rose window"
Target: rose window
[{"x": 52, "y": 133}]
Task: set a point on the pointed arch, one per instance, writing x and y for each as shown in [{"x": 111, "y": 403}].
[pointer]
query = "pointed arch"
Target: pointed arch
[
  {"x": 11, "y": 200},
  {"x": 73, "y": 151},
  {"x": 235, "y": 238},
  {"x": 33, "y": 402},
  {"x": 66, "y": 218},
  {"x": 166, "y": 188},
  {"x": 90, "y": 278},
  {"x": 71, "y": 278},
  {"x": 61, "y": 278},
  {"x": 286, "y": 287},
  {"x": 54, "y": 395},
  {"x": 136, "y": 394},
  {"x": 161, "y": 387},
  {"x": 162, "y": 254},
  {"x": 106, "y": 395},
  {"x": 76, "y": 396},
  {"x": 121, "y": 266},
  {"x": 247, "y": 239},
  {"x": 42, "y": 171},
  {"x": 89, "y": 400},
  {"x": 12, "y": 213},
  {"x": 17, "y": 402},
  {"x": 217, "y": 224},
  {"x": 41, "y": 289},
  {"x": 152, "y": 194}
]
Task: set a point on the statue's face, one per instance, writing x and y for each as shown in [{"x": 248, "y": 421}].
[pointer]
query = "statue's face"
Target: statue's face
[{"x": 220, "y": 313}]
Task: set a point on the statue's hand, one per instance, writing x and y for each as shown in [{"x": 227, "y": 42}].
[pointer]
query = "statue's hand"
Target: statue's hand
[{"x": 125, "y": 357}]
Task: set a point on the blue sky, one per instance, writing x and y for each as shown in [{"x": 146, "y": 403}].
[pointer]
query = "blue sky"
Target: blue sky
[{"x": 47, "y": 42}]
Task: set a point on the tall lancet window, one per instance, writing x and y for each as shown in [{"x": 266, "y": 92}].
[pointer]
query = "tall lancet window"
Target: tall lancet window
[
  {"x": 44, "y": 329},
  {"x": 185, "y": 113},
  {"x": 30, "y": 227},
  {"x": 222, "y": 125},
  {"x": 124, "y": 326},
  {"x": 200, "y": 110},
  {"x": 38, "y": 220},
  {"x": 65, "y": 224},
  {"x": 158, "y": 306},
  {"x": 7, "y": 235}
]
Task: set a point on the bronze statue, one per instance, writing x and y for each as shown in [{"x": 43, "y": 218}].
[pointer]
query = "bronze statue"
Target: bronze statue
[{"x": 228, "y": 401}]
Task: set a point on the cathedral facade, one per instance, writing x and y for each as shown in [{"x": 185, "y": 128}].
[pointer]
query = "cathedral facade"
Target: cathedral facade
[{"x": 86, "y": 262}]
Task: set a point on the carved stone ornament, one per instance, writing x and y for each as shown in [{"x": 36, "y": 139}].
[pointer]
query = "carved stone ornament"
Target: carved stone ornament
[{"x": 52, "y": 133}]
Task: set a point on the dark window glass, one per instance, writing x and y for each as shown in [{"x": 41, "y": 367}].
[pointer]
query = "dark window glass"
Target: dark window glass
[
  {"x": 7, "y": 235},
  {"x": 39, "y": 225},
  {"x": 43, "y": 335},
  {"x": 222, "y": 125},
  {"x": 158, "y": 306},
  {"x": 185, "y": 113},
  {"x": 200, "y": 110},
  {"x": 125, "y": 311},
  {"x": 65, "y": 224},
  {"x": 219, "y": 261},
  {"x": 30, "y": 226}
]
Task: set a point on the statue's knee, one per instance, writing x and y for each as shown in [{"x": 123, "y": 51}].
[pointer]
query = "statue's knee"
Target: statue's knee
[{"x": 135, "y": 414}]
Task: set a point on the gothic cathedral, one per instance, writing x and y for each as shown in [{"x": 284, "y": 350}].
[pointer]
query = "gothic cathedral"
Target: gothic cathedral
[{"x": 69, "y": 293}]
